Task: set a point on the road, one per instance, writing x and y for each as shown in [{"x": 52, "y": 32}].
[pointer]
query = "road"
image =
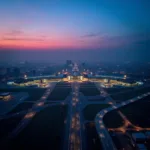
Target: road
[
  {"x": 103, "y": 133},
  {"x": 75, "y": 134}
]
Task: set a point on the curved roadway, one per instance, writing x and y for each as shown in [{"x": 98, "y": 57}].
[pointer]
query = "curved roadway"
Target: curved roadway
[{"x": 103, "y": 133}]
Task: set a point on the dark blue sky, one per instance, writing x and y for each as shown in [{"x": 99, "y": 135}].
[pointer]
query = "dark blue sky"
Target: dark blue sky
[{"x": 75, "y": 25}]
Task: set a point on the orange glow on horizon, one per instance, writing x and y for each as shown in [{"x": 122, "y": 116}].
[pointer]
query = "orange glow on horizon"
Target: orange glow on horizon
[{"x": 53, "y": 44}]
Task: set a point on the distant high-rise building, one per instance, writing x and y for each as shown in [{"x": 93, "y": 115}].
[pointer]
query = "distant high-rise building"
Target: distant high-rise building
[
  {"x": 8, "y": 71},
  {"x": 3, "y": 71},
  {"x": 68, "y": 62},
  {"x": 41, "y": 81},
  {"x": 16, "y": 72},
  {"x": 83, "y": 64},
  {"x": 34, "y": 72}
]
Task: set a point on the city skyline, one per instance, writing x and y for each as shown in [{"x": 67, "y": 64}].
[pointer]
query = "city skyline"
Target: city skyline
[{"x": 75, "y": 74}]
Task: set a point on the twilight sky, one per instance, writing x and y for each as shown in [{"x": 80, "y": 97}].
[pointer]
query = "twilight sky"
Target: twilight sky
[{"x": 74, "y": 24}]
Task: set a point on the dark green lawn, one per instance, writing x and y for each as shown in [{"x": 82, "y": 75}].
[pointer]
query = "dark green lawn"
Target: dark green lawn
[
  {"x": 90, "y": 111},
  {"x": 129, "y": 94},
  {"x": 138, "y": 112},
  {"x": 46, "y": 131},
  {"x": 90, "y": 91},
  {"x": 113, "y": 120},
  {"x": 117, "y": 90},
  {"x": 63, "y": 84},
  {"x": 59, "y": 94}
]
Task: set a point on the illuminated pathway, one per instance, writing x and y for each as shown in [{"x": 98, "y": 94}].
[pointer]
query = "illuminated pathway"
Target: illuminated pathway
[
  {"x": 103, "y": 133},
  {"x": 75, "y": 138}
]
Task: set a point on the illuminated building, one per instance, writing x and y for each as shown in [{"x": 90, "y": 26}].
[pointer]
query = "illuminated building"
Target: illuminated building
[
  {"x": 125, "y": 76},
  {"x": 68, "y": 62},
  {"x": 5, "y": 96},
  {"x": 25, "y": 76},
  {"x": 106, "y": 80},
  {"x": 81, "y": 77},
  {"x": 69, "y": 78}
]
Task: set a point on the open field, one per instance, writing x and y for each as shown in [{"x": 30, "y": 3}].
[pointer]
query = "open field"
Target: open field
[
  {"x": 87, "y": 84},
  {"x": 21, "y": 107},
  {"x": 7, "y": 125},
  {"x": 113, "y": 120},
  {"x": 138, "y": 112},
  {"x": 45, "y": 131},
  {"x": 89, "y": 89},
  {"x": 96, "y": 99},
  {"x": 129, "y": 94},
  {"x": 117, "y": 90},
  {"x": 91, "y": 110},
  {"x": 59, "y": 93},
  {"x": 63, "y": 84},
  {"x": 49, "y": 102}
]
